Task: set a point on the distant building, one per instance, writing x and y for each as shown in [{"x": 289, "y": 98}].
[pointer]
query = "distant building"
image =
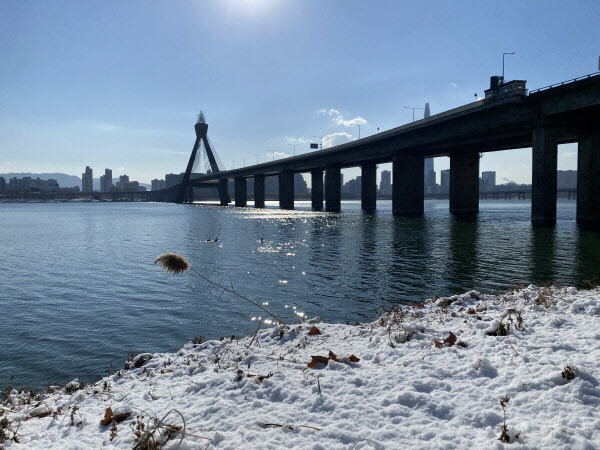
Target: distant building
[
  {"x": 157, "y": 185},
  {"x": 385, "y": 185},
  {"x": 300, "y": 186},
  {"x": 87, "y": 180},
  {"x": 2, "y": 184},
  {"x": 445, "y": 181},
  {"x": 172, "y": 179},
  {"x": 487, "y": 181},
  {"x": 106, "y": 181},
  {"x": 566, "y": 179},
  {"x": 353, "y": 187},
  {"x": 429, "y": 184}
]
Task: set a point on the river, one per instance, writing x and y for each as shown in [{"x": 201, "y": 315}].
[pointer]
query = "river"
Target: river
[{"x": 79, "y": 290}]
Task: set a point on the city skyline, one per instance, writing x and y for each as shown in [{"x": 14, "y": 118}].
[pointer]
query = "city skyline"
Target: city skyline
[{"x": 125, "y": 95}]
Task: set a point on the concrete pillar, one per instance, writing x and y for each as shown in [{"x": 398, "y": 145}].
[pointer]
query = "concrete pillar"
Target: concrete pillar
[
  {"x": 259, "y": 191},
  {"x": 368, "y": 187},
  {"x": 588, "y": 179},
  {"x": 408, "y": 185},
  {"x": 333, "y": 189},
  {"x": 223, "y": 189},
  {"x": 464, "y": 184},
  {"x": 286, "y": 190},
  {"x": 543, "y": 179},
  {"x": 316, "y": 184},
  {"x": 241, "y": 192}
]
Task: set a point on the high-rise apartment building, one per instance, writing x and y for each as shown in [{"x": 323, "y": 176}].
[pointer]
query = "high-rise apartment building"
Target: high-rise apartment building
[
  {"x": 566, "y": 179},
  {"x": 87, "y": 180},
  {"x": 106, "y": 181},
  {"x": 445, "y": 180},
  {"x": 385, "y": 185},
  {"x": 157, "y": 184},
  {"x": 2, "y": 184},
  {"x": 488, "y": 181}
]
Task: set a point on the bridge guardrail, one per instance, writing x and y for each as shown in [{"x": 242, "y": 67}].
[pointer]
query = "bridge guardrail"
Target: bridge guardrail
[{"x": 583, "y": 77}]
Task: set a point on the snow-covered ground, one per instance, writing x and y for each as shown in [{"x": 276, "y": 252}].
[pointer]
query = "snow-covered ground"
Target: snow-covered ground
[{"x": 424, "y": 376}]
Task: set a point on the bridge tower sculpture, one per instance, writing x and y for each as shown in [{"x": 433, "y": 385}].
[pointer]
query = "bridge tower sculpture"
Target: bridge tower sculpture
[{"x": 185, "y": 190}]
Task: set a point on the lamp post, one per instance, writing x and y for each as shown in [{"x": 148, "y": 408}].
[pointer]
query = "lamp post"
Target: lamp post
[
  {"x": 359, "y": 128},
  {"x": 413, "y": 110},
  {"x": 294, "y": 145},
  {"x": 503, "y": 55}
]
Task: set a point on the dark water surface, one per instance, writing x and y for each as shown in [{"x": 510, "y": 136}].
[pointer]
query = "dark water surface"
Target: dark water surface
[{"x": 78, "y": 290}]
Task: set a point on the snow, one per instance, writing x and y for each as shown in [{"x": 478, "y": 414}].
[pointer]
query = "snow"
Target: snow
[{"x": 429, "y": 376}]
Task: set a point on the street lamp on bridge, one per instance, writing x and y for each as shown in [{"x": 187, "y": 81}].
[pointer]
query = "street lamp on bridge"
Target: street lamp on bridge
[
  {"x": 503, "y": 55},
  {"x": 294, "y": 145},
  {"x": 413, "y": 110}
]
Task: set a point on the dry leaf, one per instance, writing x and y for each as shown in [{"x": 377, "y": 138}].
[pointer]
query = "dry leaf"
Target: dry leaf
[
  {"x": 318, "y": 359},
  {"x": 353, "y": 358},
  {"x": 451, "y": 339},
  {"x": 314, "y": 330}
]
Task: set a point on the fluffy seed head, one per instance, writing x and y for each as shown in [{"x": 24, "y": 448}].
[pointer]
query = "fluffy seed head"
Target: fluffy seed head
[{"x": 173, "y": 263}]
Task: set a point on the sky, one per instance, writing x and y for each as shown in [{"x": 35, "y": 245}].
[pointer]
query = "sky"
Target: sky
[{"x": 118, "y": 85}]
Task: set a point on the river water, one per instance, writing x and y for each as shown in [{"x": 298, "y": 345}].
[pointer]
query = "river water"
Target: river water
[{"x": 78, "y": 290}]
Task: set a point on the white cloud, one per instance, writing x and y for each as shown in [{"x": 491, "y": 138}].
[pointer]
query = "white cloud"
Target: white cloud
[
  {"x": 454, "y": 85},
  {"x": 278, "y": 155},
  {"x": 347, "y": 123},
  {"x": 338, "y": 118},
  {"x": 296, "y": 140},
  {"x": 331, "y": 140}
]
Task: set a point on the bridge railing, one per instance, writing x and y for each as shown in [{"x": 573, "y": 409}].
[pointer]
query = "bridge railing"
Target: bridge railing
[{"x": 545, "y": 88}]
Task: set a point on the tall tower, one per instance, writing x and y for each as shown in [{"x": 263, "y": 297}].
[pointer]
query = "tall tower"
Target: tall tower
[
  {"x": 428, "y": 161},
  {"x": 87, "y": 180}
]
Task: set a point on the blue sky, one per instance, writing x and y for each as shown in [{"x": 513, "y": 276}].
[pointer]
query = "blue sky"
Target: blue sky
[{"x": 119, "y": 84}]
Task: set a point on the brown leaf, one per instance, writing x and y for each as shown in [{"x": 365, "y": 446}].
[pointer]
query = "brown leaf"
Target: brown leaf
[
  {"x": 462, "y": 344},
  {"x": 451, "y": 339},
  {"x": 353, "y": 358},
  {"x": 314, "y": 330},
  {"x": 438, "y": 344},
  {"x": 318, "y": 359},
  {"x": 470, "y": 311},
  {"x": 108, "y": 415},
  {"x": 332, "y": 355}
]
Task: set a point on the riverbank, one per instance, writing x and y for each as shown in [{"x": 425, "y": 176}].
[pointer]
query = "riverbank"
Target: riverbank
[{"x": 465, "y": 371}]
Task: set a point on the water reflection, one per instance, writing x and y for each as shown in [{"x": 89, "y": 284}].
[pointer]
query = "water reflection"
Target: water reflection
[
  {"x": 587, "y": 258},
  {"x": 462, "y": 268},
  {"x": 542, "y": 255}
]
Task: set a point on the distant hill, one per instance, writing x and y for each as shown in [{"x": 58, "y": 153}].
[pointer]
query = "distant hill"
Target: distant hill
[{"x": 63, "y": 179}]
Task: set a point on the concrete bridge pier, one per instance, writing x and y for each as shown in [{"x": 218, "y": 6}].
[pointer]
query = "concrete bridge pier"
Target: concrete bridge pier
[
  {"x": 333, "y": 189},
  {"x": 241, "y": 191},
  {"x": 316, "y": 184},
  {"x": 223, "y": 189},
  {"x": 368, "y": 187},
  {"x": 286, "y": 189},
  {"x": 407, "y": 185},
  {"x": 543, "y": 179},
  {"x": 259, "y": 191},
  {"x": 588, "y": 178},
  {"x": 464, "y": 184}
]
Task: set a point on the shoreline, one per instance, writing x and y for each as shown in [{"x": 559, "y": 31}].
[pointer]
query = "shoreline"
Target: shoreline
[{"x": 428, "y": 375}]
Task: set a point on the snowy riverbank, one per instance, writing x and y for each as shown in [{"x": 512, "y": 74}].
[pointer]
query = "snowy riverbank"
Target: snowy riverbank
[{"x": 425, "y": 376}]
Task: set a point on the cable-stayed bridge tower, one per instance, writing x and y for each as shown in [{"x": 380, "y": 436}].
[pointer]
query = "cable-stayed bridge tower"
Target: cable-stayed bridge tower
[{"x": 185, "y": 193}]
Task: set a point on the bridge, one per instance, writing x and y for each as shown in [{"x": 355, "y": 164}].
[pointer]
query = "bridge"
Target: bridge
[{"x": 564, "y": 113}]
